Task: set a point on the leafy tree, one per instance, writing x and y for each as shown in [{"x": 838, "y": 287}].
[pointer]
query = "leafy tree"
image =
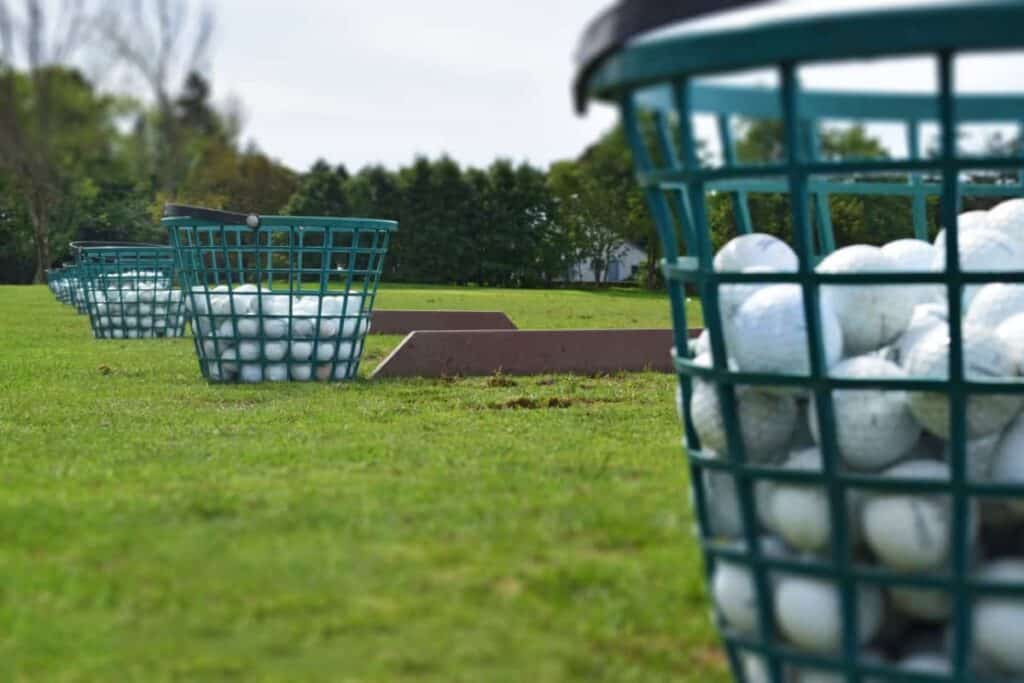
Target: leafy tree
[
  {"x": 588, "y": 213},
  {"x": 320, "y": 192},
  {"x": 53, "y": 128}
]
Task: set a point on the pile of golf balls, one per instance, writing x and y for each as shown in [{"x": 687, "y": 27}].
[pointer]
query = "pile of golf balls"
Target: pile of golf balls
[
  {"x": 135, "y": 305},
  {"x": 61, "y": 289},
  {"x": 871, "y": 331},
  {"x": 250, "y": 334},
  {"x": 76, "y": 293}
]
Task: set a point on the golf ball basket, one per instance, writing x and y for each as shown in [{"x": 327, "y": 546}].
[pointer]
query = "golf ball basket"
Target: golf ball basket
[
  {"x": 658, "y": 86},
  {"x": 129, "y": 290},
  {"x": 72, "y": 282},
  {"x": 278, "y": 298},
  {"x": 62, "y": 284}
]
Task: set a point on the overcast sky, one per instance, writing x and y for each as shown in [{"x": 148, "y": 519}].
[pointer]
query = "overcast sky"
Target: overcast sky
[{"x": 364, "y": 82}]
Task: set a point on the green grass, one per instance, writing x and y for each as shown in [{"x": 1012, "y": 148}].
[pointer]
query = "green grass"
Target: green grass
[{"x": 156, "y": 528}]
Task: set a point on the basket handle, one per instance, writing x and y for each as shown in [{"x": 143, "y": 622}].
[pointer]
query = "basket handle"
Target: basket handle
[
  {"x": 613, "y": 28},
  {"x": 215, "y": 215}
]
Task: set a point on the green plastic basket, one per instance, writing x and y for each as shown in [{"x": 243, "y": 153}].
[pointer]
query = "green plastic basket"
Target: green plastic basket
[
  {"x": 129, "y": 290},
  {"x": 288, "y": 299},
  {"x": 75, "y": 295},
  {"x": 61, "y": 285},
  {"x": 660, "y": 84}
]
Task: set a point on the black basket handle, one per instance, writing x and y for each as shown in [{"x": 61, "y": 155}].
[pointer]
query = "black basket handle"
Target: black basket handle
[
  {"x": 612, "y": 28},
  {"x": 217, "y": 216}
]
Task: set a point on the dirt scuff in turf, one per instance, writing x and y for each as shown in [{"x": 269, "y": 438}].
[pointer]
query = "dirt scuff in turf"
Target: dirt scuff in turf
[{"x": 529, "y": 403}]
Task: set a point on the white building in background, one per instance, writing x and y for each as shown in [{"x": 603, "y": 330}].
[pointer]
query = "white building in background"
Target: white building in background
[{"x": 622, "y": 268}]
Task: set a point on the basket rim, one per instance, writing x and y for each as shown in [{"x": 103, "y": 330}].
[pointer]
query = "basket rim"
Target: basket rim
[
  {"x": 292, "y": 222},
  {"x": 86, "y": 245},
  {"x": 850, "y": 34}
]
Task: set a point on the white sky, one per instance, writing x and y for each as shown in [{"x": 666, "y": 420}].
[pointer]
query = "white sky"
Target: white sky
[{"x": 362, "y": 82}]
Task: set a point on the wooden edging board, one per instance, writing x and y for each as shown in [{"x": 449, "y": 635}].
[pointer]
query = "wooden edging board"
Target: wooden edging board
[
  {"x": 437, "y": 353},
  {"x": 404, "y": 322}
]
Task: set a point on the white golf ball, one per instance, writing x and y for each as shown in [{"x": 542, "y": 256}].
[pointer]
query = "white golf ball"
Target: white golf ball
[
  {"x": 352, "y": 327},
  {"x": 800, "y": 513},
  {"x": 301, "y": 351},
  {"x": 328, "y": 328},
  {"x": 249, "y": 350},
  {"x": 966, "y": 222},
  {"x": 303, "y": 327},
  {"x": 986, "y": 357},
  {"x": 874, "y": 427},
  {"x": 344, "y": 351},
  {"x": 1008, "y": 218},
  {"x": 911, "y": 254},
  {"x": 924, "y": 319},
  {"x": 915, "y": 256},
  {"x": 999, "y": 621},
  {"x": 755, "y": 249},
  {"x": 1008, "y": 463},
  {"x": 980, "y": 454},
  {"x": 275, "y": 328},
  {"x": 732, "y": 589},
  {"x": 870, "y": 316},
  {"x": 723, "y": 506},
  {"x": 275, "y": 350},
  {"x": 732, "y": 296},
  {"x": 702, "y": 344},
  {"x": 342, "y": 370},
  {"x": 771, "y": 333},
  {"x": 325, "y": 351},
  {"x": 1011, "y": 333},
  {"x": 755, "y": 668},
  {"x": 983, "y": 249},
  {"x": 248, "y": 326},
  {"x": 994, "y": 303},
  {"x": 251, "y": 372},
  {"x": 210, "y": 349},
  {"x": 220, "y": 305},
  {"x": 809, "y": 613},
  {"x": 244, "y": 297},
  {"x": 301, "y": 372},
  {"x": 766, "y": 421},
  {"x": 276, "y": 372},
  {"x": 909, "y": 532},
  {"x": 226, "y": 330}
]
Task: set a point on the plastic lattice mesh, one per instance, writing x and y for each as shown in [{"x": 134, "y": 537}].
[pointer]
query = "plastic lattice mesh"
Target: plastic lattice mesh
[
  {"x": 289, "y": 300},
  {"x": 801, "y": 536},
  {"x": 130, "y": 290}
]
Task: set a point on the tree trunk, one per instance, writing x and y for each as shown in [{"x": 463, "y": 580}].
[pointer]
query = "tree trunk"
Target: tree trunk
[
  {"x": 39, "y": 215},
  {"x": 652, "y": 261}
]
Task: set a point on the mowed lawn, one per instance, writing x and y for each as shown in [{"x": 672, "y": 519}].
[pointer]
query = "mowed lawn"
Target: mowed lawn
[{"x": 157, "y": 528}]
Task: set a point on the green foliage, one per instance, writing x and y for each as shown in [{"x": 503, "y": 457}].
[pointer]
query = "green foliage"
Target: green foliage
[
  {"x": 320, "y": 192},
  {"x": 77, "y": 174},
  {"x": 855, "y": 218}
]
